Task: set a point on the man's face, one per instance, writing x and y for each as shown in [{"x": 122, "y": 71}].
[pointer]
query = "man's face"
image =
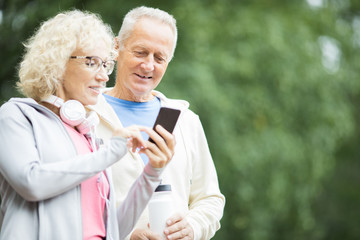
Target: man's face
[{"x": 143, "y": 60}]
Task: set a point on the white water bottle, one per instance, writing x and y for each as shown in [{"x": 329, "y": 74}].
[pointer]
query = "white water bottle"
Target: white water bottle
[{"x": 160, "y": 208}]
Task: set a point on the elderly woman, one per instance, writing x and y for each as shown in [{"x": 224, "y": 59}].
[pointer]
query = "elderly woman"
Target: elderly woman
[{"x": 54, "y": 181}]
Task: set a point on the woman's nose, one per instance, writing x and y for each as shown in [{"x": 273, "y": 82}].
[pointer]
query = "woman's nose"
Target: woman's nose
[{"x": 101, "y": 75}]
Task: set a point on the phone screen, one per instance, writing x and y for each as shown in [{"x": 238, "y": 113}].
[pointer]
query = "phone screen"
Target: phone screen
[{"x": 167, "y": 118}]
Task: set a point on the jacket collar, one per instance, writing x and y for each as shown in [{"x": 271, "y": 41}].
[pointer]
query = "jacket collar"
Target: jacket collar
[
  {"x": 173, "y": 103},
  {"x": 105, "y": 111},
  {"x": 108, "y": 114}
]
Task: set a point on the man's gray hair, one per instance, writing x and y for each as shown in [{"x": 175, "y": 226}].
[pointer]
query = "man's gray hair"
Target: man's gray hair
[{"x": 140, "y": 12}]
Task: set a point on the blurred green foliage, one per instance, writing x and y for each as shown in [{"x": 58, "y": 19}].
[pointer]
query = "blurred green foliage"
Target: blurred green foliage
[{"x": 275, "y": 83}]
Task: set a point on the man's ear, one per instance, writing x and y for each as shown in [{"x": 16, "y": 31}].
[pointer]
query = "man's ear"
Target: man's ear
[{"x": 116, "y": 44}]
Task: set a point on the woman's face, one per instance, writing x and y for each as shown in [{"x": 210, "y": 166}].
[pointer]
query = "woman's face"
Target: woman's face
[{"x": 82, "y": 82}]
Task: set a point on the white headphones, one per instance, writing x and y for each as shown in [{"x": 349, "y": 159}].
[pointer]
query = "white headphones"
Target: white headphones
[{"x": 73, "y": 113}]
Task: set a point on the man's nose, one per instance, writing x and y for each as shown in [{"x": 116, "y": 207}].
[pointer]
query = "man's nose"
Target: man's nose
[{"x": 148, "y": 64}]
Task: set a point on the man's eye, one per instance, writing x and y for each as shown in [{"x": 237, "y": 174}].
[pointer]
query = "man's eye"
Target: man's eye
[
  {"x": 159, "y": 59},
  {"x": 139, "y": 54}
]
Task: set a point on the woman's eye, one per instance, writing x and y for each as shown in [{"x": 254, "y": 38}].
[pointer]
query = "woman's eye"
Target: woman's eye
[{"x": 91, "y": 63}]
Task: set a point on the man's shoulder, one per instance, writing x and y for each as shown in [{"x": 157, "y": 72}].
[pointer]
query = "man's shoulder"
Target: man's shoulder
[
  {"x": 171, "y": 102},
  {"x": 181, "y": 104}
]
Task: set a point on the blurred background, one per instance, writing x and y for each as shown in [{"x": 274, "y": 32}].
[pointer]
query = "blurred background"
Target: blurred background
[{"x": 276, "y": 85}]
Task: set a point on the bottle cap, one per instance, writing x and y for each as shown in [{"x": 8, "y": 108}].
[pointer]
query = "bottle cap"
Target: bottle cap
[{"x": 163, "y": 188}]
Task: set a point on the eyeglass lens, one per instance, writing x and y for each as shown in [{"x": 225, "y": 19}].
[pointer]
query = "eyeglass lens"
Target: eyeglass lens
[{"x": 96, "y": 62}]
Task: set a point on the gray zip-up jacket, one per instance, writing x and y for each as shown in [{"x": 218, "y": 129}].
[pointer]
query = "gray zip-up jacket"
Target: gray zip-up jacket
[{"x": 40, "y": 176}]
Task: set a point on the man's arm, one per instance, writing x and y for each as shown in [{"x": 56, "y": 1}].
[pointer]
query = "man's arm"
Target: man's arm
[{"x": 206, "y": 203}]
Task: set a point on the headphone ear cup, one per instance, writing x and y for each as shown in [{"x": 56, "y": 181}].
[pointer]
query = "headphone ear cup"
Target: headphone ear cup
[
  {"x": 90, "y": 121},
  {"x": 72, "y": 112}
]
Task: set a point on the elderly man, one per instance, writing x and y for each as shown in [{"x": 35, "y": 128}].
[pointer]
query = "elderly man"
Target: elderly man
[{"x": 146, "y": 44}]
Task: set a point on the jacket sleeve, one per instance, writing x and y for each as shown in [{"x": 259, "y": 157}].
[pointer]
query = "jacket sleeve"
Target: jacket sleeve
[
  {"x": 137, "y": 198},
  {"x": 35, "y": 179},
  {"x": 206, "y": 203}
]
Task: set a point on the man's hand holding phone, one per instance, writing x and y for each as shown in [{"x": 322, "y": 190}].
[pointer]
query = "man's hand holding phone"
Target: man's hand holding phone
[{"x": 161, "y": 144}]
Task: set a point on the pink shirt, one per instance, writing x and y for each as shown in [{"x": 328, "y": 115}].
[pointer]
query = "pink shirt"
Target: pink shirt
[{"x": 92, "y": 190}]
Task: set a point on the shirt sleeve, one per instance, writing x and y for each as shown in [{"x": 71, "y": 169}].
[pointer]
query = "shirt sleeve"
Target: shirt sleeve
[
  {"x": 34, "y": 179},
  {"x": 137, "y": 198}
]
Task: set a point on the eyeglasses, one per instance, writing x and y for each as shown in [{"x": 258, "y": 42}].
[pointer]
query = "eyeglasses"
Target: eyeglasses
[{"x": 95, "y": 63}]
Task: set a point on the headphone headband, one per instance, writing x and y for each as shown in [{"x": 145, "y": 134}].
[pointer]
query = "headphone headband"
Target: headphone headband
[
  {"x": 73, "y": 113},
  {"x": 54, "y": 100}
]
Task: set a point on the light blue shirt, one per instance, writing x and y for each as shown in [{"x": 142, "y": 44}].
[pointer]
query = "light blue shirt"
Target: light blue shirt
[{"x": 136, "y": 113}]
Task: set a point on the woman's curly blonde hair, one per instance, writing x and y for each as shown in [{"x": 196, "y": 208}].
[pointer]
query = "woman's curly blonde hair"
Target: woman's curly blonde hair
[{"x": 49, "y": 49}]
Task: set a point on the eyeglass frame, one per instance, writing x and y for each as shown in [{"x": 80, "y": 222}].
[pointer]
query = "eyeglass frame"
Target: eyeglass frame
[{"x": 103, "y": 63}]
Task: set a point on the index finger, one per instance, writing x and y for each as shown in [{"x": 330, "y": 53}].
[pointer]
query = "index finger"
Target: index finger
[
  {"x": 176, "y": 217},
  {"x": 164, "y": 133},
  {"x": 161, "y": 137}
]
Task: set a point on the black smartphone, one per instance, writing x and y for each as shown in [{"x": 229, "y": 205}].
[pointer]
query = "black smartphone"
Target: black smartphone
[{"x": 167, "y": 118}]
